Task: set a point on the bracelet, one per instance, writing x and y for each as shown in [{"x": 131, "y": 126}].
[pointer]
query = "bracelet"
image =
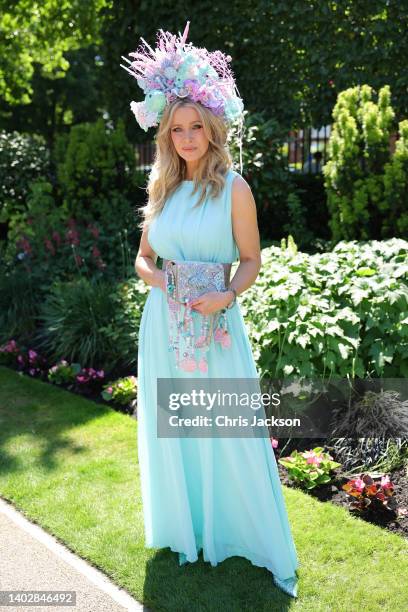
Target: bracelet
[{"x": 231, "y": 304}]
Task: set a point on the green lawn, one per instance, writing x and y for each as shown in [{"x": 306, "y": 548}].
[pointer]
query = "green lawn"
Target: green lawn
[{"x": 71, "y": 466}]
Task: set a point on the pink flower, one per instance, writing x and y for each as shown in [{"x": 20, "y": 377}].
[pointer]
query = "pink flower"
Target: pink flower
[
  {"x": 312, "y": 458},
  {"x": 56, "y": 237},
  {"x": 49, "y": 246},
  {"x": 386, "y": 483},
  {"x": 10, "y": 347},
  {"x": 24, "y": 244},
  {"x": 274, "y": 442},
  {"x": 95, "y": 251},
  {"x": 94, "y": 231},
  {"x": 73, "y": 237},
  {"x": 358, "y": 484}
]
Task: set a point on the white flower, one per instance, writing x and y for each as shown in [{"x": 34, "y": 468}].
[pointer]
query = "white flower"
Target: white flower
[{"x": 144, "y": 117}]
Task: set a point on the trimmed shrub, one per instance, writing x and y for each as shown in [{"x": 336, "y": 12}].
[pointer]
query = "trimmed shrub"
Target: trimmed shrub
[{"x": 361, "y": 174}]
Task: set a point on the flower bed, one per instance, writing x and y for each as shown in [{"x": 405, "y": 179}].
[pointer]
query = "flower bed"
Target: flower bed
[{"x": 394, "y": 518}]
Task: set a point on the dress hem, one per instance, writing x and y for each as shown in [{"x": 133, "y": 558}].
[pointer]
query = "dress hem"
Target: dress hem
[{"x": 288, "y": 584}]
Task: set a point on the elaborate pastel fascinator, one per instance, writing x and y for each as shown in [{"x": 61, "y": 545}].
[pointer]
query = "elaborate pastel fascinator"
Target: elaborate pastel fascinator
[{"x": 177, "y": 69}]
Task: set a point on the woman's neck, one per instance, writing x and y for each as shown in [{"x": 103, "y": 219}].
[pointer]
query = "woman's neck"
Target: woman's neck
[{"x": 189, "y": 172}]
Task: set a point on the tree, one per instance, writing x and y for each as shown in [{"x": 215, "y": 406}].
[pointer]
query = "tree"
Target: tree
[{"x": 42, "y": 32}]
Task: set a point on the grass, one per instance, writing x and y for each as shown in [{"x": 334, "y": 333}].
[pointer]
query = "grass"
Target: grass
[{"x": 71, "y": 466}]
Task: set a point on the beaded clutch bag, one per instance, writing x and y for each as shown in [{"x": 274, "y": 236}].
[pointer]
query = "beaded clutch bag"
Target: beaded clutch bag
[{"x": 185, "y": 281}]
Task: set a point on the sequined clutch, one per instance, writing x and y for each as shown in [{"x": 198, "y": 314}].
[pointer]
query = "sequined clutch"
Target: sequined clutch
[{"x": 185, "y": 281}]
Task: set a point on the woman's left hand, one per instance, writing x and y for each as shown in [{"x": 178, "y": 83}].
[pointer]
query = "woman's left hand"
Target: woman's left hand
[{"x": 211, "y": 302}]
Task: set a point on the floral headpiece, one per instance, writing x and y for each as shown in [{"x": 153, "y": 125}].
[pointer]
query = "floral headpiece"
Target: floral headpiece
[{"x": 176, "y": 69}]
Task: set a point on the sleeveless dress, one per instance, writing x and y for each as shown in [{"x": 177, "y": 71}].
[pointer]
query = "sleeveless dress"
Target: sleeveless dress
[{"x": 219, "y": 495}]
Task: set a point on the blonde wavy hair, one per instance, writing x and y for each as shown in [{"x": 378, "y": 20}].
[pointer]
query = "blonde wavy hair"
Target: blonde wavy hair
[{"x": 169, "y": 168}]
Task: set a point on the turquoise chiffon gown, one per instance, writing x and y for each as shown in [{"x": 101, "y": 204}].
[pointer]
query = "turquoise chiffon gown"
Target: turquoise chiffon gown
[{"x": 219, "y": 495}]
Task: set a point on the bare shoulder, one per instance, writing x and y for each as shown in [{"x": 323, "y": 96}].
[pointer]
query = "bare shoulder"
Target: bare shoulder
[
  {"x": 240, "y": 186},
  {"x": 241, "y": 196}
]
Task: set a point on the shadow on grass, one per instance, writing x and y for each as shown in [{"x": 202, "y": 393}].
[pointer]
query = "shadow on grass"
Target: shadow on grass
[
  {"x": 28, "y": 407},
  {"x": 234, "y": 584}
]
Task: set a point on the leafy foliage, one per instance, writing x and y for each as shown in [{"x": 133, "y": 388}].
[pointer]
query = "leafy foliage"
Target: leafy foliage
[
  {"x": 341, "y": 314},
  {"x": 20, "y": 297},
  {"x": 358, "y": 454},
  {"x": 396, "y": 187},
  {"x": 23, "y": 159},
  {"x": 375, "y": 415},
  {"x": 290, "y": 59},
  {"x": 97, "y": 174},
  {"x": 86, "y": 223},
  {"x": 265, "y": 169},
  {"x": 310, "y": 468},
  {"x": 45, "y": 245},
  {"x": 364, "y": 493},
  {"x": 42, "y": 32},
  {"x": 92, "y": 323},
  {"x": 121, "y": 391}
]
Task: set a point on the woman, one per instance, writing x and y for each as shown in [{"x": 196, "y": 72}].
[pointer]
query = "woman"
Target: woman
[{"x": 221, "y": 495}]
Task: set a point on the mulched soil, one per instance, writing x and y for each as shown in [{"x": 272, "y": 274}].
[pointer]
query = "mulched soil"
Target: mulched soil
[{"x": 382, "y": 517}]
